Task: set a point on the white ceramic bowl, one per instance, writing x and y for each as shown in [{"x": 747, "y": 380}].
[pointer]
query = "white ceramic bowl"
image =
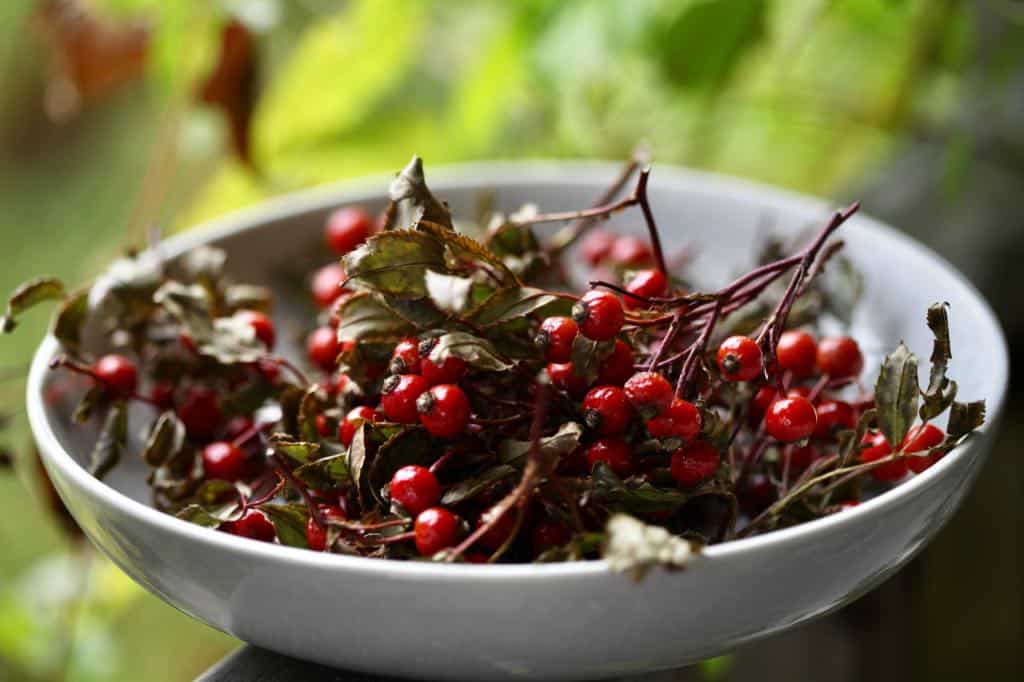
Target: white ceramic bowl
[{"x": 563, "y": 620}]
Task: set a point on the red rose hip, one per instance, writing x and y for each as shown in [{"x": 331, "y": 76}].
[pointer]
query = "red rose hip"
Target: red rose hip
[
  {"x": 840, "y": 357},
  {"x": 645, "y": 284},
  {"x": 649, "y": 392},
  {"x": 444, "y": 410},
  {"x": 435, "y": 529},
  {"x": 415, "y": 488},
  {"x": 921, "y": 439},
  {"x": 326, "y": 285},
  {"x": 694, "y": 463},
  {"x": 355, "y": 418},
  {"x": 606, "y": 409},
  {"x": 740, "y": 358},
  {"x": 118, "y": 375},
  {"x": 791, "y": 419},
  {"x": 555, "y": 338},
  {"x": 613, "y": 451},
  {"x": 347, "y": 228},
  {"x": 599, "y": 315},
  {"x": 876, "y": 448},
  {"x": 398, "y": 397},
  {"x": 323, "y": 348},
  {"x": 449, "y": 371},
  {"x": 834, "y": 416},
  {"x": 617, "y": 368},
  {"x": 681, "y": 420},
  {"x": 261, "y": 325},
  {"x": 406, "y": 357},
  {"x": 797, "y": 353},
  {"x": 224, "y": 461},
  {"x": 254, "y": 524}
]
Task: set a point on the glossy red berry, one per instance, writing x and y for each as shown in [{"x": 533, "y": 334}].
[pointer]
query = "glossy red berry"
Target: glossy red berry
[
  {"x": 630, "y": 251},
  {"x": 118, "y": 375},
  {"x": 326, "y": 285},
  {"x": 649, "y": 392},
  {"x": 921, "y": 439},
  {"x": 261, "y": 324},
  {"x": 323, "y": 348},
  {"x": 797, "y": 353},
  {"x": 762, "y": 400},
  {"x": 347, "y": 228},
  {"x": 449, "y": 371},
  {"x": 549, "y": 534},
  {"x": 694, "y": 463},
  {"x": 645, "y": 284},
  {"x": 681, "y": 420},
  {"x": 599, "y": 315},
  {"x": 254, "y": 524},
  {"x": 555, "y": 338},
  {"x": 596, "y": 246},
  {"x": 740, "y": 358},
  {"x": 617, "y": 368},
  {"x": 316, "y": 536},
  {"x": 840, "y": 357},
  {"x": 444, "y": 410},
  {"x": 435, "y": 529},
  {"x": 565, "y": 379},
  {"x": 877, "y": 448},
  {"x": 355, "y": 418},
  {"x": 613, "y": 451},
  {"x": 834, "y": 416},
  {"x": 406, "y": 357},
  {"x": 415, "y": 488},
  {"x": 162, "y": 395},
  {"x": 200, "y": 413},
  {"x": 399, "y": 395},
  {"x": 223, "y": 461},
  {"x": 606, "y": 409},
  {"x": 791, "y": 419}
]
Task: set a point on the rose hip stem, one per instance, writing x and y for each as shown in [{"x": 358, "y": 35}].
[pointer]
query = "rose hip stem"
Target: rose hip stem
[
  {"x": 249, "y": 433},
  {"x": 293, "y": 369},
  {"x": 531, "y": 474},
  {"x": 64, "y": 362},
  {"x": 282, "y": 466},
  {"x": 652, "y": 229}
]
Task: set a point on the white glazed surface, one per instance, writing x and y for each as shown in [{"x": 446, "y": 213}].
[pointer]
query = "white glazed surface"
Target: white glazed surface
[{"x": 569, "y": 621}]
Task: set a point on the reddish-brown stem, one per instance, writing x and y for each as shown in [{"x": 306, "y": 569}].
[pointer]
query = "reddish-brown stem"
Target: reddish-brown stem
[
  {"x": 697, "y": 350},
  {"x": 652, "y": 229},
  {"x": 293, "y": 369},
  {"x": 314, "y": 512}
]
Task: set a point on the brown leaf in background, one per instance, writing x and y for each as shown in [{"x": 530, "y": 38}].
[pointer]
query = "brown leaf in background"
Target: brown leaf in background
[
  {"x": 91, "y": 56},
  {"x": 231, "y": 85}
]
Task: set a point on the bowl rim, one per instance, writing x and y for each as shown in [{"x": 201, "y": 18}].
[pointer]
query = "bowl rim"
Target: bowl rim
[{"x": 482, "y": 175}]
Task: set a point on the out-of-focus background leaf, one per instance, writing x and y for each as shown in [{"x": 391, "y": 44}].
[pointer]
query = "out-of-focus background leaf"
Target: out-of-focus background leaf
[{"x": 118, "y": 115}]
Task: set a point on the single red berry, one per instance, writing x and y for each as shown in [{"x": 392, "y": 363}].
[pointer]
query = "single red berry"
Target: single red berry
[
  {"x": 356, "y": 417},
  {"x": 549, "y": 534},
  {"x": 606, "y": 409},
  {"x": 799, "y": 392},
  {"x": 756, "y": 494},
  {"x": 406, "y": 357},
  {"x": 261, "y": 324},
  {"x": 877, "y": 448},
  {"x": 316, "y": 536},
  {"x": 398, "y": 397},
  {"x": 645, "y": 284},
  {"x": 555, "y": 338},
  {"x": 762, "y": 400},
  {"x": 797, "y": 353},
  {"x": 849, "y": 504},
  {"x": 630, "y": 251},
  {"x": 449, "y": 371},
  {"x": 921, "y": 439},
  {"x": 791, "y": 419},
  {"x": 415, "y": 488},
  {"x": 269, "y": 369},
  {"x": 200, "y": 413},
  {"x": 740, "y": 358},
  {"x": 833, "y": 416},
  {"x": 499, "y": 533},
  {"x": 799, "y": 458},
  {"x": 444, "y": 410},
  {"x": 326, "y": 284},
  {"x": 117, "y": 374},
  {"x": 682, "y": 419},
  {"x": 617, "y": 368},
  {"x": 694, "y": 463},
  {"x": 650, "y": 393},
  {"x": 254, "y": 524},
  {"x": 225, "y": 462},
  {"x": 347, "y": 228},
  {"x": 323, "y": 348},
  {"x": 435, "y": 529},
  {"x": 613, "y": 451},
  {"x": 840, "y": 357},
  {"x": 162, "y": 395},
  {"x": 599, "y": 315},
  {"x": 596, "y": 246},
  {"x": 323, "y": 425},
  {"x": 565, "y": 379}
]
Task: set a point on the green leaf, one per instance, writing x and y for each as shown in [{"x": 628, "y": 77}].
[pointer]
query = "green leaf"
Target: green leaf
[
  {"x": 310, "y": 406},
  {"x": 297, "y": 451},
  {"x": 395, "y": 262},
  {"x": 28, "y": 295},
  {"x": 107, "y": 451},
  {"x": 469, "y": 488},
  {"x": 410, "y": 185},
  {"x": 448, "y": 292},
  {"x": 462, "y": 252},
  {"x": 364, "y": 317},
  {"x": 70, "y": 320},
  {"x": 479, "y": 353},
  {"x": 941, "y": 390},
  {"x": 965, "y": 418},
  {"x": 510, "y": 303},
  {"x": 412, "y": 445},
  {"x": 637, "y": 497},
  {"x": 289, "y": 521},
  {"x": 202, "y": 264},
  {"x": 634, "y": 547},
  {"x": 229, "y": 340},
  {"x": 897, "y": 394},
  {"x": 587, "y": 356},
  {"x": 247, "y": 297},
  {"x": 209, "y": 517},
  {"x": 325, "y": 472},
  {"x": 564, "y": 441},
  {"x": 165, "y": 440},
  {"x": 419, "y": 312}
]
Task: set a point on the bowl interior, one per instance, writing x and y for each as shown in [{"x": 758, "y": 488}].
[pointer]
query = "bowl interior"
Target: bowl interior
[{"x": 723, "y": 219}]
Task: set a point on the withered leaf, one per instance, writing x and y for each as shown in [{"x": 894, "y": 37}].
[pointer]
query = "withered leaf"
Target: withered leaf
[
  {"x": 395, "y": 262},
  {"x": 509, "y": 304},
  {"x": 289, "y": 521},
  {"x": 562, "y": 442},
  {"x": 469, "y": 488},
  {"x": 70, "y": 320},
  {"x": 231, "y": 85},
  {"x": 112, "y": 439},
  {"x": 410, "y": 185},
  {"x": 165, "y": 440},
  {"x": 637, "y": 497},
  {"x": 587, "y": 356},
  {"x": 28, "y": 295},
  {"x": 965, "y": 417},
  {"x": 295, "y": 450},
  {"x": 941, "y": 390},
  {"x": 477, "y": 352},
  {"x": 364, "y": 317},
  {"x": 897, "y": 394}
]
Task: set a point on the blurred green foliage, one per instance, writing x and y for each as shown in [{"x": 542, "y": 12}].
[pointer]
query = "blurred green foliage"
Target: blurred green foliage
[{"x": 810, "y": 94}]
